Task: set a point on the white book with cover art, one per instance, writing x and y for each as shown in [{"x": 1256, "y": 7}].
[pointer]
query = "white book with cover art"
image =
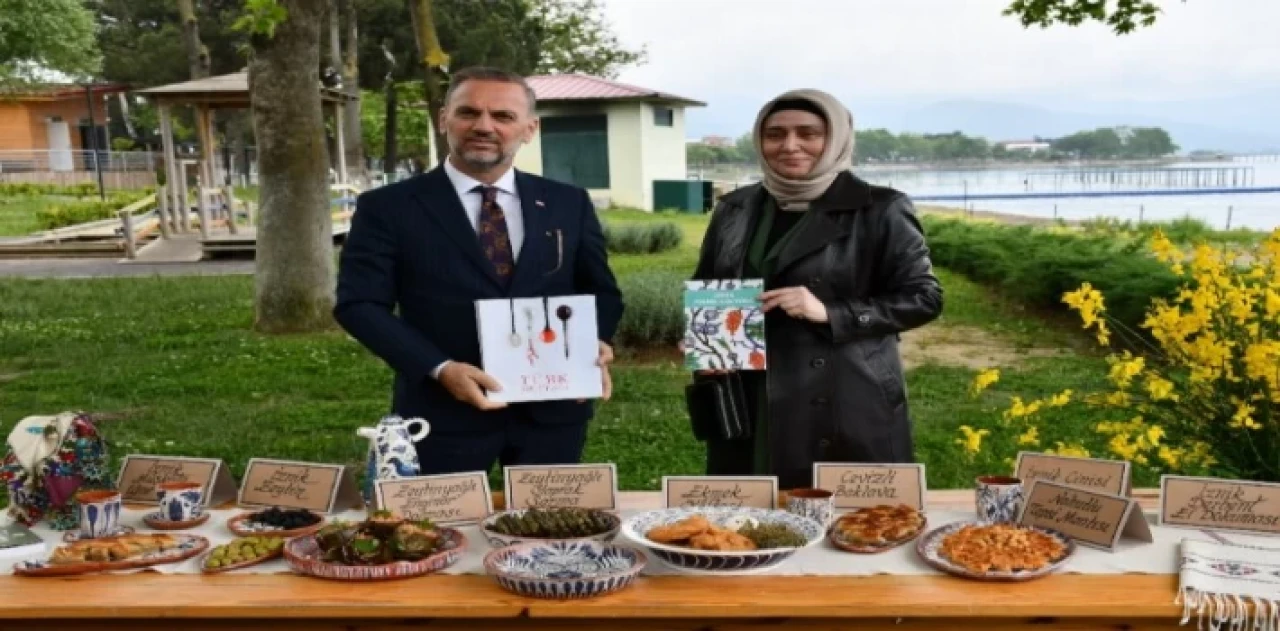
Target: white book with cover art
[{"x": 541, "y": 349}]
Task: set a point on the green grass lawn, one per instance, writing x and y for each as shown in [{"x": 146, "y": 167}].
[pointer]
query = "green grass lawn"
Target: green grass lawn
[
  {"x": 18, "y": 214},
  {"x": 176, "y": 358}
]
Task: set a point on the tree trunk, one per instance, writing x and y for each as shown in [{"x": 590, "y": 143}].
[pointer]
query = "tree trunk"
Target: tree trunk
[
  {"x": 353, "y": 133},
  {"x": 335, "y": 36},
  {"x": 389, "y": 157},
  {"x": 294, "y": 273},
  {"x": 433, "y": 59},
  {"x": 197, "y": 55}
]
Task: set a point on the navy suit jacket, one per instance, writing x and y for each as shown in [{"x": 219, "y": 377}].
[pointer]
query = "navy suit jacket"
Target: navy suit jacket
[{"x": 411, "y": 248}]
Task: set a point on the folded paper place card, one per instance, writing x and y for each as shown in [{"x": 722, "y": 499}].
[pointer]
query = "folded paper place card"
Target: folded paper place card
[
  {"x": 322, "y": 488},
  {"x": 562, "y": 486},
  {"x": 1092, "y": 518},
  {"x": 140, "y": 474},
  {"x": 737, "y": 492},
  {"x": 1109, "y": 476},
  {"x": 455, "y": 498},
  {"x": 861, "y": 485},
  {"x": 1219, "y": 504}
]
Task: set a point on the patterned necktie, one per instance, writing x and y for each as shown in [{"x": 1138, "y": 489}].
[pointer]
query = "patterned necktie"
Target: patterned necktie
[{"x": 494, "y": 238}]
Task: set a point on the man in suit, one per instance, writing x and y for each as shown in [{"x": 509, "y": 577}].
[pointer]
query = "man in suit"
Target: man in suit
[{"x": 471, "y": 229}]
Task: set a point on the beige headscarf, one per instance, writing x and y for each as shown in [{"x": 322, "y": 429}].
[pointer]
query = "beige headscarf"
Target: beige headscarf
[{"x": 837, "y": 157}]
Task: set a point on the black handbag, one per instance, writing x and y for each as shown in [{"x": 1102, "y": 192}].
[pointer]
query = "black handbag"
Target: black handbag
[{"x": 717, "y": 407}]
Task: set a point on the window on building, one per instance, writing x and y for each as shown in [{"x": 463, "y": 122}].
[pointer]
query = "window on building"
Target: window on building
[
  {"x": 575, "y": 150},
  {"x": 664, "y": 117}
]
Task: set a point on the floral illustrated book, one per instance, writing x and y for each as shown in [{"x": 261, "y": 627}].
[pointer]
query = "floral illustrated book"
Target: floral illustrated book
[
  {"x": 541, "y": 349},
  {"x": 723, "y": 325}
]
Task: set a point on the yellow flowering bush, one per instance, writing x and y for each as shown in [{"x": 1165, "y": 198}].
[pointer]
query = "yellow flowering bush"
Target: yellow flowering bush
[{"x": 1199, "y": 393}]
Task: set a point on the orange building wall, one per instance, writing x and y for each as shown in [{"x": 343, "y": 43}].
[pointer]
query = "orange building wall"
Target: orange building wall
[
  {"x": 15, "y": 126},
  {"x": 22, "y": 123}
]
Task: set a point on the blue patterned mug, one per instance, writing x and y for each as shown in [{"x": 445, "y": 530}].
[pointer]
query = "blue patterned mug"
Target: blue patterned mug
[
  {"x": 816, "y": 504},
  {"x": 180, "y": 501},
  {"x": 99, "y": 513},
  {"x": 999, "y": 499}
]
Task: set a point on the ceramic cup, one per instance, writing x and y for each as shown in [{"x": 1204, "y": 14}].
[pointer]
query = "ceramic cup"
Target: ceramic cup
[
  {"x": 180, "y": 501},
  {"x": 816, "y": 504},
  {"x": 999, "y": 499},
  {"x": 99, "y": 513}
]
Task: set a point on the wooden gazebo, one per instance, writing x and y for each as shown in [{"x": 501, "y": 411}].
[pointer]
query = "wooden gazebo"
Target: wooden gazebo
[{"x": 229, "y": 91}]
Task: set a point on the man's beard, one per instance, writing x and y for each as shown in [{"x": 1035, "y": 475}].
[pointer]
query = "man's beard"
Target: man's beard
[{"x": 484, "y": 160}]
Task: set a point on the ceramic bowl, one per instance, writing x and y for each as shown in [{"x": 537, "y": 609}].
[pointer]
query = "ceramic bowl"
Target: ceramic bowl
[
  {"x": 303, "y": 555},
  {"x": 499, "y": 540},
  {"x": 564, "y": 569},
  {"x": 692, "y": 561},
  {"x": 929, "y": 547}
]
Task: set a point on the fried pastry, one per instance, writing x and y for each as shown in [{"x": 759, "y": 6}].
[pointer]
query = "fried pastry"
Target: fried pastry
[
  {"x": 880, "y": 525},
  {"x": 1001, "y": 548},
  {"x": 111, "y": 548},
  {"x": 680, "y": 531},
  {"x": 721, "y": 540}
]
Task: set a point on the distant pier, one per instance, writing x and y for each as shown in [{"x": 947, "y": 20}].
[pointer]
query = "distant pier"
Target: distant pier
[
  {"x": 1150, "y": 192},
  {"x": 1216, "y": 177}
]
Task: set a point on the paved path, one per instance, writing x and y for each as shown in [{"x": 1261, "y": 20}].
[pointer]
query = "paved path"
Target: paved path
[{"x": 112, "y": 268}]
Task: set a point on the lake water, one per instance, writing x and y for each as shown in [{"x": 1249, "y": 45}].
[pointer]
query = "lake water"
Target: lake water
[{"x": 1259, "y": 211}]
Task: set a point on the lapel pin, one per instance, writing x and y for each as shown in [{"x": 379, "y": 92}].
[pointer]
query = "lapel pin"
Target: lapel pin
[{"x": 538, "y": 202}]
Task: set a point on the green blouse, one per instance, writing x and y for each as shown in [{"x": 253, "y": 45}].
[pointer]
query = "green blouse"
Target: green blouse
[{"x": 775, "y": 229}]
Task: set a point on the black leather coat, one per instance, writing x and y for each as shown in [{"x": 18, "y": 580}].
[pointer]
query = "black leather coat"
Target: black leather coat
[{"x": 836, "y": 390}]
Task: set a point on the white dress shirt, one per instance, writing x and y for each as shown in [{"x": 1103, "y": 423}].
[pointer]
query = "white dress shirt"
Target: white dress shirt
[{"x": 508, "y": 200}]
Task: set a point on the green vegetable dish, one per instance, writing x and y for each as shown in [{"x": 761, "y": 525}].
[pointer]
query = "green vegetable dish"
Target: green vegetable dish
[
  {"x": 243, "y": 550},
  {"x": 554, "y": 523},
  {"x": 383, "y": 538},
  {"x": 767, "y": 536}
]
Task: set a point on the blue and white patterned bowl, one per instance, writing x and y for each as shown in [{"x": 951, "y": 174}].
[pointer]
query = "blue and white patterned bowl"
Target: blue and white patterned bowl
[
  {"x": 499, "y": 540},
  {"x": 929, "y": 547},
  {"x": 719, "y": 562},
  {"x": 564, "y": 569}
]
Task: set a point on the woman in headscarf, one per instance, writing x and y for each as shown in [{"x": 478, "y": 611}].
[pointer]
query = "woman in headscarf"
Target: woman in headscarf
[{"x": 846, "y": 269}]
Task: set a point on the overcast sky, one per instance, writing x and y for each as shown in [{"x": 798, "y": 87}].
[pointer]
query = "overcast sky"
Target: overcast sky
[{"x": 735, "y": 54}]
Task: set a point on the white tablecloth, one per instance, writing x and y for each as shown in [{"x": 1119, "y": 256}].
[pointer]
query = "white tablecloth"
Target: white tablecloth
[{"x": 1158, "y": 557}]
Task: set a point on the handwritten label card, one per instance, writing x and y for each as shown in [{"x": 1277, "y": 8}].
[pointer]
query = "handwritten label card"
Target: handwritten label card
[
  {"x": 456, "y": 498},
  {"x": 860, "y": 485},
  {"x": 141, "y": 474},
  {"x": 1219, "y": 504},
  {"x": 577, "y": 486},
  {"x": 322, "y": 488},
  {"x": 1095, "y": 474},
  {"x": 737, "y": 492},
  {"x": 1090, "y": 517}
]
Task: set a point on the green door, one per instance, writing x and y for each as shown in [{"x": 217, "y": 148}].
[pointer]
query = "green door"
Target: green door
[{"x": 575, "y": 150}]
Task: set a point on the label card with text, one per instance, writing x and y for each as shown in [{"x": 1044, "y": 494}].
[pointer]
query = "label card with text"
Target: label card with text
[
  {"x": 140, "y": 475},
  {"x": 322, "y": 488},
  {"x": 1090, "y": 517},
  {"x": 860, "y": 485},
  {"x": 561, "y": 486},
  {"x": 737, "y": 492},
  {"x": 1095, "y": 474},
  {"x": 455, "y": 498},
  {"x": 1252, "y": 507}
]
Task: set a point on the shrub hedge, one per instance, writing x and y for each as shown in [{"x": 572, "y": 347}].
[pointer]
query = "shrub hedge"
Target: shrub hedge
[
  {"x": 654, "y": 315},
  {"x": 27, "y": 189},
  {"x": 71, "y": 213},
  {"x": 1037, "y": 266},
  {"x": 642, "y": 238}
]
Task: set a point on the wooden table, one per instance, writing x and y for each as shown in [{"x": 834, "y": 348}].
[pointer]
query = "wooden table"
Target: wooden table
[{"x": 150, "y": 601}]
